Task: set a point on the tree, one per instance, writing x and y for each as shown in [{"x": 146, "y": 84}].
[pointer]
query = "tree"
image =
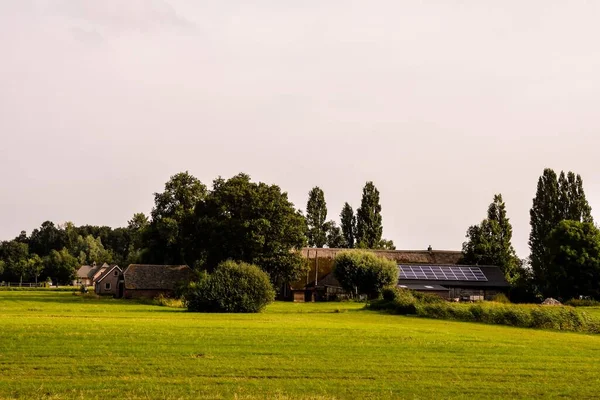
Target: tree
[
  {"x": 363, "y": 272},
  {"x": 2, "y": 266},
  {"x": 335, "y": 238},
  {"x": 35, "y": 266},
  {"x": 91, "y": 250},
  {"x": 170, "y": 235},
  {"x": 369, "y": 228},
  {"x": 45, "y": 239},
  {"x": 251, "y": 222},
  {"x": 490, "y": 242},
  {"x": 316, "y": 215},
  {"x": 557, "y": 199},
  {"x": 348, "y": 222},
  {"x": 574, "y": 267},
  {"x": 15, "y": 255},
  {"x": 386, "y": 244},
  {"x": 60, "y": 265}
]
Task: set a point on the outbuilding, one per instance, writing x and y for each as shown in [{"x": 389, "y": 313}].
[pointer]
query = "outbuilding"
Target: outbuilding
[{"x": 150, "y": 281}]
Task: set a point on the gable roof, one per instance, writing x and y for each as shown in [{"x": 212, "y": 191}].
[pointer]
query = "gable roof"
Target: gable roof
[
  {"x": 107, "y": 272},
  {"x": 400, "y": 256},
  {"x": 88, "y": 271},
  {"x": 157, "y": 277}
]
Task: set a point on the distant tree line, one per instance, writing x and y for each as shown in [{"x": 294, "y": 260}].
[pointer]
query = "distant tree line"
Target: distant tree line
[{"x": 255, "y": 223}]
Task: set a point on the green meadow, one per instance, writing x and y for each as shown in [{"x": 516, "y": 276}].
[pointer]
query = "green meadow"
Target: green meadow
[{"x": 57, "y": 345}]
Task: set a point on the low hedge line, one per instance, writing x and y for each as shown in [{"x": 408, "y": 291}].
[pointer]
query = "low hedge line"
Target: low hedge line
[
  {"x": 38, "y": 289},
  {"x": 405, "y": 302},
  {"x": 582, "y": 303}
]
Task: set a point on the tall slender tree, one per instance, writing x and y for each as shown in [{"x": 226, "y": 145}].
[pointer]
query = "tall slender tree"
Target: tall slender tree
[
  {"x": 490, "y": 242},
  {"x": 557, "y": 199},
  {"x": 369, "y": 227},
  {"x": 348, "y": 222},
  {"x": 316, "y": 215}
]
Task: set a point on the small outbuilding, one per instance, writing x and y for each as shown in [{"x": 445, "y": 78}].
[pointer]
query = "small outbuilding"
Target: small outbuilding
[
  {"x": 107, "y": 282},
  {"x": 150, "y": 281}
]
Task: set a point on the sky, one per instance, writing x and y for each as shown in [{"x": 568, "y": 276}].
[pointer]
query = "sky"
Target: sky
[{"x": 441, "y": 104}]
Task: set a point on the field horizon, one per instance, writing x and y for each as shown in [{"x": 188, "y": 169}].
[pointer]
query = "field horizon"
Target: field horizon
[{"x": 57, "y": 345}]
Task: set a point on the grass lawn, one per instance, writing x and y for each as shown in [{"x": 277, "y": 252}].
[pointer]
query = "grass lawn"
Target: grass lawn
[{"x": 56, "y": 345}]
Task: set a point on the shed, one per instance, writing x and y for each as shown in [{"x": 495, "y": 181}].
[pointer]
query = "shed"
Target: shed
[{"x": 149, "y": 281}]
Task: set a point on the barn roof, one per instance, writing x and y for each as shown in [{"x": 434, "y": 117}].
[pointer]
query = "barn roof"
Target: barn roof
[
  {"x": 157, "y": 277},
  {"x": 494, "y": 277},
  {"x": 400, "y": 256}
]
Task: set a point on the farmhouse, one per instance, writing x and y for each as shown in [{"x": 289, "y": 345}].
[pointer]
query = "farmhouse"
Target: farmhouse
[
  {"x": 87, "y": 274},
  {"x": 108, "y": 280},
  {"x": 434, "y": 271},
  {"x": 149, "y": 281}
]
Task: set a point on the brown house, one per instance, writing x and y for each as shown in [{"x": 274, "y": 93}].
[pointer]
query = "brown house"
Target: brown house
[
  {"x": 149, "y": 281},
  {"x": 88, "y": 274},
  {"x": 107, "y": 282}
]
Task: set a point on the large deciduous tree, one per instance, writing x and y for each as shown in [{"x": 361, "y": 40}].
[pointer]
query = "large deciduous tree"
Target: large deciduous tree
[
  {"x": 363, "y": 272},
  {"x": 170, "y": 236},
  {"x": 369, "y": 227},
  {"x": 60, "y": 266},
  {"x": 489, "y": 243},
  {"x": 316, "y": 215},
  {"x": 335, "y": 238},
  {"x": 251, "y": 222},
  {"x": 557, "y": 199},
  {"x": 348, "y": 225},
  {"x": 574, "y": 260}
]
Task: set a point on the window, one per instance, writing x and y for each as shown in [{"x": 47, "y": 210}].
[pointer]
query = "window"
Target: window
[
  {"x": 116, "y": 272},
  {"x": 107, "y": 286}
]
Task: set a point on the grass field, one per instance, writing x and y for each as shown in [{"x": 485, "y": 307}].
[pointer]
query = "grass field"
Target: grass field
[{"x": 58, "y": 345}]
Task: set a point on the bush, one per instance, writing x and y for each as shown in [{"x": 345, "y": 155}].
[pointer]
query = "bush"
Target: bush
[
  {"x": 501, "y": 298},
  {"x": 582, "y": 303},
  {"x": 232, "y": 287},
  {"x": 365, "y": 272}
]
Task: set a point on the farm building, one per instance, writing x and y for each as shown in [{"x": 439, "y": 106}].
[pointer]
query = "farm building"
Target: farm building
[
  {"x": 435, "y": 271},
  {"x": 149, "y": 281},
  {"x": 88, "y": 274},
  {"x": 464, "y": 282},
  {"x": 108, "y": 281}
]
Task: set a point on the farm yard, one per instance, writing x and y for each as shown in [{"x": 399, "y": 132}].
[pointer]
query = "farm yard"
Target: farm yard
[{"x": 58, "y": 345}]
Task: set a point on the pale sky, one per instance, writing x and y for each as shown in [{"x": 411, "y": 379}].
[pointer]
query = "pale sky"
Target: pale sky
[{"x": 440, "y": 103}]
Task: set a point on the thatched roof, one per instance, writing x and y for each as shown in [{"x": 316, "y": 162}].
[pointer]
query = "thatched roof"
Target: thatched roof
[
  {"x": 400, "y": 256},
  {"x": 156, "y": 277}
]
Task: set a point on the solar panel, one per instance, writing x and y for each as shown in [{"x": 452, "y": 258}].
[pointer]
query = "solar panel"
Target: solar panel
[{"x": 438, "y": 273}]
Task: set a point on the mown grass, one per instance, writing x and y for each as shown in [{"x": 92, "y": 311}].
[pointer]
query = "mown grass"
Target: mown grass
[{"x": 58, "y": 345}]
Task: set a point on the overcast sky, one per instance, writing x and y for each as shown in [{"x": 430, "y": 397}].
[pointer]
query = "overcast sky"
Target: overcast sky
[{"x": 440, "y": 103}]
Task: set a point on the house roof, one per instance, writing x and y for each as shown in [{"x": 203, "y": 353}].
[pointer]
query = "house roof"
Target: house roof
[
  {"x": 107, "y": 272},
  {"x": 493, "y": 274},
  {"x": 427, "y": 287},
  {"x": 157, "y": 277},
  {"x": 400, "y": 256},
  {"x": 88, "y": 271}
]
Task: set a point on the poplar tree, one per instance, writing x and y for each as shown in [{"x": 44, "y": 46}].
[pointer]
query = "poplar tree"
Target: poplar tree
[
  {"x": 369, "y": 228},
  {"x": 348, "y": 222},
  {"x": 316, "y": 215}
]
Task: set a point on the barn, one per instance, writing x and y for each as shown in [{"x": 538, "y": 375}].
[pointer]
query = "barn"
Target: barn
[
  {"x": 462, "y": 282},
  {"x": 150, "y": 281}
]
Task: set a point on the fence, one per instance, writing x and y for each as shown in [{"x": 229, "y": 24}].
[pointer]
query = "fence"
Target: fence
[{"x": 24, "y": 284}]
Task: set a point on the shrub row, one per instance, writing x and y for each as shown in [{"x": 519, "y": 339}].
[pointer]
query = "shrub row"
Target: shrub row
[
  {"x": 405, "y": 302},
  {"x": 582, "y": 303}
]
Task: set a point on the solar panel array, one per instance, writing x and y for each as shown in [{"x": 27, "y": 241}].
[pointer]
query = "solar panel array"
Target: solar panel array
[{"x": 437, "y": 273}]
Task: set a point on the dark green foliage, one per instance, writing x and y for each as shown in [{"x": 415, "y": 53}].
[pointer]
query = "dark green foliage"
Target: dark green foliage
[
  {"x": 490, "y": 242},
  {"x": 316, "y": 215},
  {"x": 46, "y": 239},
  {"x": 232, "y": 287},
  {"x": 501, "y": 298},
  {"x": 369, "y": 227},
  {"x": 364, "y": 272},
  {"x": 60, "y": 266},
  {"x": 557, "y": 199},
  {"x": 574, "y": 260},
  {"x": 250, "y": 222},
  {"x": 348, "y": 225},
  {"x": 170, "y": 237},
  {"x": 335, "y": 238}
]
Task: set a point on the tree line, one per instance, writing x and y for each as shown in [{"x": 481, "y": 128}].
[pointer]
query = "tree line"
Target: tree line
[{"x": 255, "y": 223}]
